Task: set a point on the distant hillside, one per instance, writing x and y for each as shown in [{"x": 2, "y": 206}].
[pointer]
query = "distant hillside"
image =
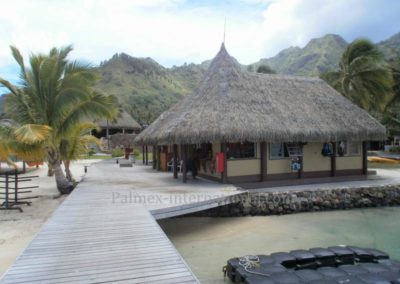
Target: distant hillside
[
  {"x": 319, "y": 55},
  {"x": 391, "y": 46},
  {"x": 146, "y": 89}
]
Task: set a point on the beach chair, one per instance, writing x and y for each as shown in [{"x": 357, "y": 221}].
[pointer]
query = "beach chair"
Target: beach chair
[{"x": 170, "y": 165}]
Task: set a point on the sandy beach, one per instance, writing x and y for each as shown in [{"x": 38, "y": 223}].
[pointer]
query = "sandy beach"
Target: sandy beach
[{"x": 18, "y": 228}]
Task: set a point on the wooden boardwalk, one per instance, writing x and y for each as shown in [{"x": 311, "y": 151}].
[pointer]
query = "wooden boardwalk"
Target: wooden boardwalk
[{"x": 97, "y": 236}]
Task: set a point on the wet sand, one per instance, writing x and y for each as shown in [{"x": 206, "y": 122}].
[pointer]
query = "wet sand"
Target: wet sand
[{"x": 207, "y": 243}]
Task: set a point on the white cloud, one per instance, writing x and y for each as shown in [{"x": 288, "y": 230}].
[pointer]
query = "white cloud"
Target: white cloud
[
  {"x": 171, "y": 31},
  {"x": 175, "y": 31},
  {"x": 295, "y": 22}
]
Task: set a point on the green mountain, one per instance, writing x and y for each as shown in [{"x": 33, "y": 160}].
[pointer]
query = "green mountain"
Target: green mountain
[
  {"x": 391, "y": 46},
  {"x": 146, "y": 88},
  {"x": 319, "y": 55}
]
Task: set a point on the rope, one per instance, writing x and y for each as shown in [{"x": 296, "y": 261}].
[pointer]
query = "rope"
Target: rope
[{"x": 251, "y": 262}]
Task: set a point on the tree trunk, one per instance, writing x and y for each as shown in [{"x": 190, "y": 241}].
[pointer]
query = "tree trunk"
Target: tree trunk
[
  {"x": 50, "y": 171},
  {"x": 53, "y": 159},
  {"x": 68, "y": 172},
  {"x": 63, "y": 185}
]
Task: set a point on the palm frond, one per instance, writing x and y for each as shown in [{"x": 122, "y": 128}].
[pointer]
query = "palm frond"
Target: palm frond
[{"x": 32, "y": 133}]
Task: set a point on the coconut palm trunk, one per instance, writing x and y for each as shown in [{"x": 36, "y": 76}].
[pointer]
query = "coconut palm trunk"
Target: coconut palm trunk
[
  {"x": 50, "y": 171},
  {"x": 68, "y": 172},
  {"x": 64, "y": 186}
]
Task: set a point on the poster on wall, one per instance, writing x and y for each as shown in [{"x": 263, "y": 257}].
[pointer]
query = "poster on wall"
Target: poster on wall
[{"x": 295, "y": 165}]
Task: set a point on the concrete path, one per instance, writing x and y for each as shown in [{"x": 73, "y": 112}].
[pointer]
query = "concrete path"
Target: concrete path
[
  {"x": 383, "y": 177},
  {"x": 105, "y": 231}
]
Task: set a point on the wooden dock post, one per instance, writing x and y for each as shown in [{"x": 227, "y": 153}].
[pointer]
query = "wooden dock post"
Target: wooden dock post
[
  {"x": 154, "y": 157},
  {"x": 333, "y": 159},
  {"x": 364, "y": 158},
  {"x": 224, "y": 174},
  {"x": 158, "y": 158},
  {"x": 143, "y": 155},
  {"x": 184, "y": 159},
  {"x": 263, "y": 161},
  {"x": 147, "y": 155},
  {"x": 175, "y": 160}
]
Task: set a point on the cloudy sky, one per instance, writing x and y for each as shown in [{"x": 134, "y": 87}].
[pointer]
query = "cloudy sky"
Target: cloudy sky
[{"x": 177, "y": 31}]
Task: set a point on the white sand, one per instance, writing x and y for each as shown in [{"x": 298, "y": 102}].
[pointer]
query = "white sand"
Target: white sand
[{"x": 17, "y": 229}]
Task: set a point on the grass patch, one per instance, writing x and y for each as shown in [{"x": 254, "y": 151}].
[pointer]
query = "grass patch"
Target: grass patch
[
  {"x": 140, "y": 156},
  {"x": 95, "y": 157}
]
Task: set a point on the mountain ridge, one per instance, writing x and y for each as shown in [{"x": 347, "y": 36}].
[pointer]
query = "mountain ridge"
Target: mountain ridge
[{"x": 145, "y": 88}]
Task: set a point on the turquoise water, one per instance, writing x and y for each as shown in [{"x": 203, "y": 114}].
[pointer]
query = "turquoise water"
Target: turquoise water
[{"x": 207, "y": 243}]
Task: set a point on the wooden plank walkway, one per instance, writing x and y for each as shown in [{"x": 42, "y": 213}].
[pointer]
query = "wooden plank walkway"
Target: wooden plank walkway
[{"x": 90, "y": 239}]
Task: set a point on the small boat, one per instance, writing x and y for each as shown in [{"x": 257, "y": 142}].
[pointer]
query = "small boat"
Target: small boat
[{"x": 376, "y": 159}]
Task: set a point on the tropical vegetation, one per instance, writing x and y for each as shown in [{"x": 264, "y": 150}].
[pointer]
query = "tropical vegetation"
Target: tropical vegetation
[
  {"x": 363, "y": 76},
  {"x": 75, "y": 145},
  {"x": 265, "y": 69},
  {"x": 146, "y": 88},
  {"x": 54, "y": 97}
]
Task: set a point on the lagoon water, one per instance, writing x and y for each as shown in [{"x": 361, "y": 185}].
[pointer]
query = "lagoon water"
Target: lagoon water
[{"x": 207, "y": 243}]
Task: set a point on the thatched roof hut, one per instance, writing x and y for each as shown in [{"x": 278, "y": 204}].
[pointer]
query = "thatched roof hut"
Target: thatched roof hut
[
  {"x": 124, "y": 140},
  {"x": 234, "y": 105},
  {"x": 124, "y": 121}
]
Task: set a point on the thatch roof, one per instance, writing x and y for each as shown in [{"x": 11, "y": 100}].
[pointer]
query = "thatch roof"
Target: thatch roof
[
  {"x": 122, "y": 139},
  {"x": 231, "y": 104},
  {"x": 125, "y": 120}
]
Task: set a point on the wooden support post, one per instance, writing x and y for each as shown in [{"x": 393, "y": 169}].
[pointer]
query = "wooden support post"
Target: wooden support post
[
  {"x": 158, "y": 158},
  {"x": 263, "y": 161},
  {"x": 300, "y": 172},
  {"x": 333, "y": 159},
  {"x": 143, "y": 155},
  {"x": 147, "y": 155},
  {"x": 224, "y": 174},
  {"x": 184, "y": 159},
  {"x": 154, "y": 157},
  {"x": 175, "y": 160},
  {"x": 364, "y": 158}
]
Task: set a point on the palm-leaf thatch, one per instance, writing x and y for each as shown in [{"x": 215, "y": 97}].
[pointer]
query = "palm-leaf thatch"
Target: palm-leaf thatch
[
  {"x": 233, "y": 105},
  {"x": 124, "y": 120}
]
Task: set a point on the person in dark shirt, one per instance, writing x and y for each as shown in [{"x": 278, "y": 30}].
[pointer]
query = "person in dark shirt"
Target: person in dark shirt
[{"x": 192, "y": 164}]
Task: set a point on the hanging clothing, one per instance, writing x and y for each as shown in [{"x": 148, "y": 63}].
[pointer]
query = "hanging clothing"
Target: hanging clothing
[
  {"x": 327, "y": 150},
  {"x": 342, "y": 148}
]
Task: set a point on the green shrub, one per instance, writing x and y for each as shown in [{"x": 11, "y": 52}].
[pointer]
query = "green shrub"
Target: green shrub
[
  {"x": 91, "y": 152},
  {"x": 117, "y": 152},
  {"x": 395, "y": 149}
]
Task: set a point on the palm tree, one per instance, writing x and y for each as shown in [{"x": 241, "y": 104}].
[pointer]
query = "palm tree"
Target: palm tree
[
  {"x": 58, "y": 94},
  {"x": 391, "y": 117},
  {"x": 363, "y": 76},
  {"x": 12, "y": 137},
  {"x": 265, "y": 69},
  {"x": 76, "y": 145}
]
